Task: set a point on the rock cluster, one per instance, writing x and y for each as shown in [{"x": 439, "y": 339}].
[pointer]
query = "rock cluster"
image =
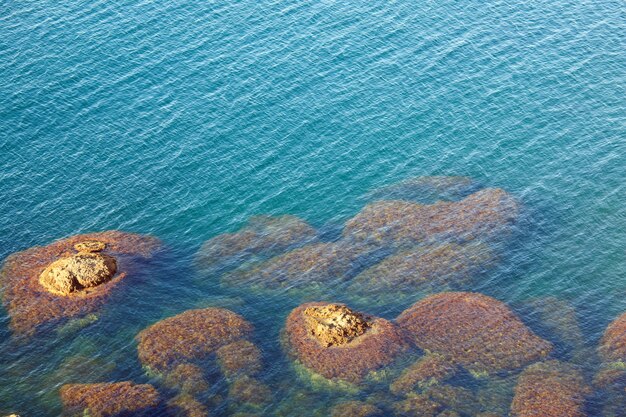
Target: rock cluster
[
  {"x": 339, "y": 343},
  {"x": 264, "y": 236},
  {"x": 178, "y": 348},
  {"x": 484, "y": 215},
  {"x": 472, "y": 330},
  {"x": 69, "y": 277}
]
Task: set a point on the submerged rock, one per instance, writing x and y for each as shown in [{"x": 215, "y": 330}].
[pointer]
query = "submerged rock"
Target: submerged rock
[
  {"x": 355, "y": 409},
  {"x": 48, "y": 283},
  {"x": 108, "y": 399},
  {"x": 429, "y": 267},
  {"x": 428, "y": 189},
  {"x": 417, "y": 405},
  {"x": 239, "y": 358},
  {"x": 337, "y": 342},
  {"x": 185, "y": 405},
  {"x": 550, "y": 389},
  {"x": 611, "y": 377},
  {"x": 613, "y": 344},
  {"x": 189, "y": 337},
  {"x": 484, "y": 215},
  {"x": 558, "y": 320},
  {"x": 472, "y": 330},
  {"x": 263, "y": 236},
  {"x": 311, "y": 265},
  {"x": 428, "y": 370}
]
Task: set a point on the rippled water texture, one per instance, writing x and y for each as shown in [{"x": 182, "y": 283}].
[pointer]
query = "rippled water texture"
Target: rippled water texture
[{"x": 184, "y": 119}]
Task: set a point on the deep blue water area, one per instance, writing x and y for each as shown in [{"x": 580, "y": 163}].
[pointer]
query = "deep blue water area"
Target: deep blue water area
[{"x": 183, "y": 119}]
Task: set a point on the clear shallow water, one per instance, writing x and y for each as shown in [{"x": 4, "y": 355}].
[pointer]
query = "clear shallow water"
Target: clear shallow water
[{"x": 183, "y": 119}]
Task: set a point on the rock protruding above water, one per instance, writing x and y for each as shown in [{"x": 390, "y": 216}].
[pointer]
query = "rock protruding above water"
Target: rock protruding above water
[
  {"x": 473, "y": 330},
  {"x": 337, "y": 342},
  {"x": 189, "y": 337},
  {"x": 108, "y": 399},
  {"x": 78, "y": 272},
  {"x": 48, "y": 283},
  {"x": 550, "y": 389},
  {"x": 335, "y": 324},
  {"x": 428, "y": 189},
  {"x": 263, "y": 236},
  {"x": 484, "y": 215},
  {"x": 429, "y": 267}
]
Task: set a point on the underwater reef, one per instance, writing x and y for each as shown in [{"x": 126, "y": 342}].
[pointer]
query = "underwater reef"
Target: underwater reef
[
  {"x": 611, "y": 376},
  {"x": 69, "y": 277},
  {"x": 337, "y": 342},
  {"x": 472, "y": 330},
  {"x": 108, "y": 399},
  {"x": 311, "y": 265},
  {"x": 418, "y": 251},
  {"x": 484, "y": 215},
  {"x": 190, "y": 336},
  {"x": 428, "y": 267},
  {"x": 178, "y": 349},
  {"x": 262, "y": 236}
]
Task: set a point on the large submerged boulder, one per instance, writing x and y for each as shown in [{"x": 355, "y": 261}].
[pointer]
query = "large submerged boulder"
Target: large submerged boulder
[
  {"x": 69, "y": 277},
  {"x": 311, "y": 265},
  {"x": 484, "y": 215},
  {"x": 429, "y": 267},
  {"x": 337, "y": 342},
  {"x": 264, "y": 236},
  {"x": 550, "y": 389},
  {"x": 611, "y": 377},
  {"x": 189, "y": 337},
  {"x": 108, "y": 399},
  {"x": 613, "y": 344},
  {"x": 178, "y": 349},
  {"x": 473, "y": 330}
]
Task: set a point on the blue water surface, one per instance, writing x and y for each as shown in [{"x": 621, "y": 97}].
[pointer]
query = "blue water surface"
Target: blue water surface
[{"x": 184, "y": 118}]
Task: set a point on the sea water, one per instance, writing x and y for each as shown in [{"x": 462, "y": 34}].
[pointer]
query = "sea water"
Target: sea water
[{"x": 182, "y": 119}]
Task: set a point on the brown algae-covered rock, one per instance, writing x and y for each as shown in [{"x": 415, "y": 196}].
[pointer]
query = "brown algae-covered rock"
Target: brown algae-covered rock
[
  {"x": 339, "y": 343},
  {"x": 263, "y": 236},
  {"x": 428, "y": 370},
  {"x": 189, "y": 337},
  {"x": 185, "y": 405},
  {"x": 425, "y": 267},
  {"x": 239, "y": 358},
  {"x": 355, "y": 409},
  {"x": 249, "y": 391},
  {"x": 473, "y": 330},
  {"x": 613, "y": 344},
  {"x": 480, "y": 216},
  {"x": 48, "y": 283},
  {"x": 417, "y": 405},
  {"x": 316, "y": 264},
  {"x": 550, "y": 389},
  {"x": 187, "y": 378},
  {"x": 108, "y": 399}
]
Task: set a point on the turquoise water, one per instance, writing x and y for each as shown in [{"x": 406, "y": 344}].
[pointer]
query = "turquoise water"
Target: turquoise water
[{"x": 183, "y": 119}]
